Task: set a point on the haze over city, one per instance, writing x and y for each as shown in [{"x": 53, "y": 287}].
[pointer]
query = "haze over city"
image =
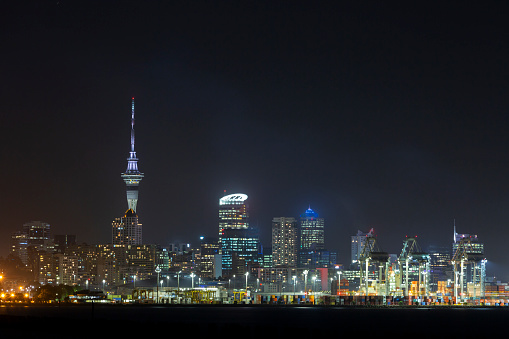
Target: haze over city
[{"x": 392, "y": 117}]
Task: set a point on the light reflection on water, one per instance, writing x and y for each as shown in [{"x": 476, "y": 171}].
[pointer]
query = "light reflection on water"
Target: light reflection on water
[{"x": 326, "y": 320}]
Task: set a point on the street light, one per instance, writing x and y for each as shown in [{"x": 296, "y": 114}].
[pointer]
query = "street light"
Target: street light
[
  {"x": 158, "y": 270},
  {"x": 339, "y": 282},
  {"x": 178, "y": 280},
  {"x": 294, "y": 281},
  {"x": 314, "y": 288},
  {"x": 305, "y": 281},
  {"x": 247, "y": 274}
]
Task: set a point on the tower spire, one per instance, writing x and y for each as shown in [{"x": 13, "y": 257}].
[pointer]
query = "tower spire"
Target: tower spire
[
  {"x": 454, "y": 223},
  {"x": 132, "y": 127},
  {"x": 132, "y": 175}
]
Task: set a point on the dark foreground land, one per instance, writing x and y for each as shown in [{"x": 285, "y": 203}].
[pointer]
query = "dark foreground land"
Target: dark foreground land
[{"x": 249, "y": 321}]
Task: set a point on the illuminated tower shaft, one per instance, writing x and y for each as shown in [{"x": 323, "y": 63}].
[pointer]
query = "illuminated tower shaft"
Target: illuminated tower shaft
[{"x": 132, "y": 175}]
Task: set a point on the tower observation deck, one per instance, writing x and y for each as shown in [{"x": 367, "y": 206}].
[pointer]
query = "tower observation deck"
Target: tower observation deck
[{"x": 132, "y": 175}]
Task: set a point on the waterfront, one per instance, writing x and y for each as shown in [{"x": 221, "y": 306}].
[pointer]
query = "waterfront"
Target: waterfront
[{"x": 80, "y": 321}]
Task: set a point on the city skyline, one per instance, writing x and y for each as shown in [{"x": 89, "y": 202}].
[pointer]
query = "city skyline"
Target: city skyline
[{"x": 376, "y": 116}]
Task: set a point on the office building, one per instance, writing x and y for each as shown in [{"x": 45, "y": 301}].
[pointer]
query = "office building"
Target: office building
[
  {"x": 311, "y": 231},
  {"x": 240, "y": 249},
  {"x": 209, "y": 252},
  {"x": 239, "y": 243},
  {"x": 439, "y": 266},
  {"x": 127, "y": 230},
  {"x": 357, "y": 244},
  {"x": 34, "y": 236},
  {"x": 314, "y": 259},
  {"x": 284, "y": 241},
  {"x": 233, "y": 212}
]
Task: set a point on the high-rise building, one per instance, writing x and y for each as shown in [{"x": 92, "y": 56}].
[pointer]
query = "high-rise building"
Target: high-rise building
[
  {"x": 233, "y": 212},
  {"x": 358, "y": 242},
  {"x": 311, "y": 231},
  {"x": 284, "y": 241},
  {"x": 314, "y": 259},
  {"x": 239, "y": 243},
  {"x": 440, "y": 268},
  {"x": 240, "y": 249},
  {"x": 209, "y": 252},
  {"x": 127, "y": 230},
  {"x": 132, "y": 175},
  {"x": 34, "y": 234}
]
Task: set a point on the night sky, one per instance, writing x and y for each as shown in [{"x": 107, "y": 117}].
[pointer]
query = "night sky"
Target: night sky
[{"x": 385, "y": 116}]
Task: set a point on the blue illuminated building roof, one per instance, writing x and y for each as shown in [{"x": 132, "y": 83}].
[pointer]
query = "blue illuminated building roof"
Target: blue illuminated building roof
[{"x": 309, "y": 213}]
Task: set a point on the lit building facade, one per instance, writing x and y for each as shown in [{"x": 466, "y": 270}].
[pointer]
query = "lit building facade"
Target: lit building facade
[
  {"x": 233, "y": 212},
  {"x": 209, "y": 252},
  {"x": 314, "y": 259},
  {"x": 474, "y": 245},
  {"x": 127, "y": 230},
  {"x": 34, "y": 234},
  {"x": 284, "y": 241},
  {"x": 239, "y": 243},
  {"x": 240, "y": 248},
  {"x": 440, "y": 266},
  {"x": 311, "y": 231},
  {"x": 357, "y": 244}
]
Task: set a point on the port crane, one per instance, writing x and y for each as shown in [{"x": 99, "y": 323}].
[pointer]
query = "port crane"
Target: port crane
[
  {"x": 371, "y": 254},
  {"x": 412, "y": 254},
  {"x": 468, "y": 254}
]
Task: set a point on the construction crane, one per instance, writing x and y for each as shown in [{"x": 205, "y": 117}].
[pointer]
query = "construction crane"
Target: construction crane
[{"x": 411, "y": 254}]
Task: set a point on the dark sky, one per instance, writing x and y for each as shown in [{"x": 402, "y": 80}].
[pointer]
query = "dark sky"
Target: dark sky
[{"x": 391, "y": 116}]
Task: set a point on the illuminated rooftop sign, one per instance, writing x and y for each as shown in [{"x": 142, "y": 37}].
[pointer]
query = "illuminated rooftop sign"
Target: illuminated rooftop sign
[{"x": 237, "y": 198}]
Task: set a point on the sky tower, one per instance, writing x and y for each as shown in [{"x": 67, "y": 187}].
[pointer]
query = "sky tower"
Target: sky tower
[{"x": 132, "y": 175}]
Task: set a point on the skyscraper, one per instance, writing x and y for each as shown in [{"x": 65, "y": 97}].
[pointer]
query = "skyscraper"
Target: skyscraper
[
  {"x": 233, "y": 212},
  {"x": 127, "y": 230},
  {"x": 284, "y": 241},
  {"x": 34, "y": 234},
  {"x": 358, "y": 242},
  {"x": 132, "y": 175},
  {"x": 311, "y": 231},
  {"x": 238, "y": 242}
]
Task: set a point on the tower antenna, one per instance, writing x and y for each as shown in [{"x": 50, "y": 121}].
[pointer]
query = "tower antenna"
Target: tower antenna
[
  {"x": 132, "y": 125},
  {"x": 454, "y": 230}
]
